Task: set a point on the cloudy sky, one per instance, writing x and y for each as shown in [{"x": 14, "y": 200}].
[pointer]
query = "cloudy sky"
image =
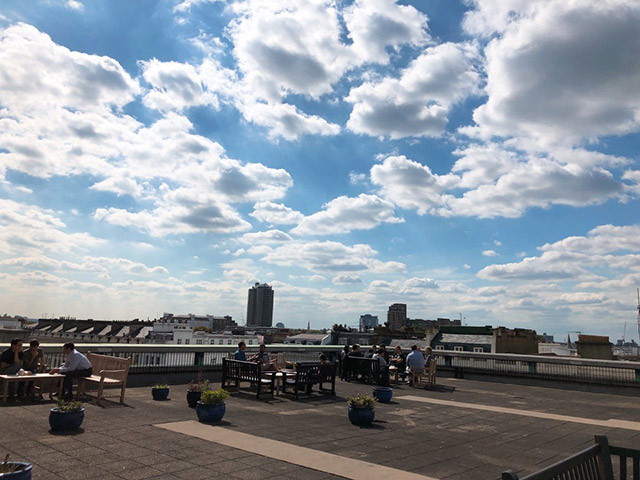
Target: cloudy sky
[{"x": 475, "y": 158}]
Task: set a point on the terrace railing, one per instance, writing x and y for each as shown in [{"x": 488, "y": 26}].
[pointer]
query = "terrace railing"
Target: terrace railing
[{"x": 167, "y": 358}]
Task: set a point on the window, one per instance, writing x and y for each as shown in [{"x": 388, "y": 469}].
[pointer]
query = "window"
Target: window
[
  {"x": 439, "y": 347},
  {"x": 250, "y": 342},
  {"x": 211, "y": 342},
  {"x": 179, "y": 341},
  {"x": 187, "y": 341},
  {"x": 478, "y": 349},
  {"x": 221, "y": 342},
  {"x": 199, "y": 341},
  {"x": 230, "y": 342},
  {"x": 458, "y": 349}
]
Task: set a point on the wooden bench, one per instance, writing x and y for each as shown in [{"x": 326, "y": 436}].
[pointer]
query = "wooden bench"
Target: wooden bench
[
  {"x": 240, "y": 371},
  {"x": 309, "y": 374},
  {"x": 108, "y": 371},
  {"x": 366, "y": 369},
  {"x": 593, "y": 463}
]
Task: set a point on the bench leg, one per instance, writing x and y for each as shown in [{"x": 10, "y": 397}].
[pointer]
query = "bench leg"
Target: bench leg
[
  {"x": 124, "y": 387},
  {"x": 99, "y": 396}
]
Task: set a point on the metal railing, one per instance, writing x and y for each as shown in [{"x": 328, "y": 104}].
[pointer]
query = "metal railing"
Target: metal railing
[
  {"x": 566, "y": 369},
  {"x": 167, "y": 358}
]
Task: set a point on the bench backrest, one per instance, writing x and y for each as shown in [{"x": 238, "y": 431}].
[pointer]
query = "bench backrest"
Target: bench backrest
[
  {"x": 355, "y": 366},
  {"x": 108, "y": 362},
  {"x": 593, "y": 463},
  {"x": 310, "y": 373},
  {"x": 239, "y": 370}
]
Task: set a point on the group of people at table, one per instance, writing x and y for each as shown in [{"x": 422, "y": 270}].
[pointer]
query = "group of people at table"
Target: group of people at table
[
  {"x": 405, "y": 364},
  {"x": 17, "y": 361}
]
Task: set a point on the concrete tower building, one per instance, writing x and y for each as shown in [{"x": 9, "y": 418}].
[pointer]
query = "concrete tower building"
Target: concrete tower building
[
  {"x": 260, "y": 306},
  {"x": 397, "y": 316}
]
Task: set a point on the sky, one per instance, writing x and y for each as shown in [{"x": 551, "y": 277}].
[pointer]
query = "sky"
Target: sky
[{"x": 473, "y": 159}]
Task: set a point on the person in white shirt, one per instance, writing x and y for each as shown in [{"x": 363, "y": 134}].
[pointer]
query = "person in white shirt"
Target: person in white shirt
[
  {"x": 415, "y": 360},
  {"x": 75, "y": 365}
]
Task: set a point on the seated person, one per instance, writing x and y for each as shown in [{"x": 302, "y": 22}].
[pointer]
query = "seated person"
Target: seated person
[
  {"x": 399, "y": 360},
  {"x": 11, "y": 363},
  {"x": 415, "y": 361},
  {"x": 76, "y": 365},
  {"x": 355, "y": 351},
  {"x": 324, "y": 359},
  {"x": 428, "y": 356},
  {"x": 383, "y": 351},
  {"x": 239, "y": 353},
  {"x": 262, "y": 356},
  {"x": 33, "y": 361},
  {"x": 33, "y": 358}
]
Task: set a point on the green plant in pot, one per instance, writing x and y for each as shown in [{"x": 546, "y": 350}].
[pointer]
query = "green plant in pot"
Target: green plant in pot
[
  {"x": 160, "y": 391},
  {"x": 66, "y": 416},
  {"x": 361, "y": 411},
  {"x": 15, "y": 470},
  {"x": 211, "y": 406},
  {"x": 194, "y": 390}
]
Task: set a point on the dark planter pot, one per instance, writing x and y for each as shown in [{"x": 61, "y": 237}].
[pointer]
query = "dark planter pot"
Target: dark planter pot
[
  {"x": 361, "y": 416},
  {"x": 65, "y": 421},
  {"x": 160, "y": 393},
  {"x": 210, "y": 412},
  {"x": 383, "y": 394},
  {"x": 23, "y": 474},
  {"x": 193, "y": 398}
]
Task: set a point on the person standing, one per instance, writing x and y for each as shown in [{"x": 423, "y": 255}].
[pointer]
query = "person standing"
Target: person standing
[
  {"x": 76, "y": 365},
  {"x": 10, "y": 364}
]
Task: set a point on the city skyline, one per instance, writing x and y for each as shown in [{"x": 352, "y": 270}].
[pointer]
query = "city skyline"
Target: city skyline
[{"x": 462, "y": 157}]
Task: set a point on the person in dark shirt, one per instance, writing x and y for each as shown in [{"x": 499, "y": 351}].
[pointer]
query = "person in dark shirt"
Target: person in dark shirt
[
  {"x": 10, "y": 364},
  {"x": 356, "y": 352},
  {"x": 262, "y": 356},
  {"x": 239, "y": 354}
]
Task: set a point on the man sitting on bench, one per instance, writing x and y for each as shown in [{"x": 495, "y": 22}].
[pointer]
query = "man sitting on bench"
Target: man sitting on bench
[{"x": 75, "y": 365}]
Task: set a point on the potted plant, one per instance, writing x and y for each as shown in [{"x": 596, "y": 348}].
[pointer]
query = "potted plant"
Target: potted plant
[
  {"x": 361, "y": 410},
  {"x": 160, "y": 391},
  {"x": 67, "y": 416},
  {"x": 194, "y": 390},
  {"x": 211, "y": 406},
  {"x": 15, "y": 470},
  {"x": 383, "y": 394}
]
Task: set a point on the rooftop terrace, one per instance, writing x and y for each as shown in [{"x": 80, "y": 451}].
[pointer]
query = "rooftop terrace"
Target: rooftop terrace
[{"x": 462, "y": 429}]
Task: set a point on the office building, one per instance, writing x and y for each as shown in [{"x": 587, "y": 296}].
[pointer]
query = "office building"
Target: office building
[
  {"x": 397, "y": 316},
  {"x": 260, "y": 306}
]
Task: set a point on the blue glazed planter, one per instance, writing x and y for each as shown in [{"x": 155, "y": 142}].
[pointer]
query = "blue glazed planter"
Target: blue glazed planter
[
  {"x": 210, "y": 412},
  {"x": 160, "y": 393},
  {"x": 23, "y": 474},
  {"x": 361, "y": 416},
  {"x": 65, "y": 421},
  {"x": 193, "y": 398},
  {"x": 383, "y": 394}
]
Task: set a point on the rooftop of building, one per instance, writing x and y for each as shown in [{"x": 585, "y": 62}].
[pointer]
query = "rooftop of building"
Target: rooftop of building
[{"x": 463, "y": 429}]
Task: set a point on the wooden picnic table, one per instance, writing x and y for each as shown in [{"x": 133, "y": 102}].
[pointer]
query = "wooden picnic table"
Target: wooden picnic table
[
  {"x": 36, "y": 378},
  {"x": 280, "y": 377}
]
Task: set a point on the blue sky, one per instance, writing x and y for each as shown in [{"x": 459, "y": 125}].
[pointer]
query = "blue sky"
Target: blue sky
[{"x": 475, "y": 158}]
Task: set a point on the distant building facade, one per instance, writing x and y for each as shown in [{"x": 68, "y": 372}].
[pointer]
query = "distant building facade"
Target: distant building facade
[
  {"x": 397, "y": 316},
  {"x": 260, "y": 306},
  {"x": 367, "y": 322},
  {"x": 594, "y": 346}
]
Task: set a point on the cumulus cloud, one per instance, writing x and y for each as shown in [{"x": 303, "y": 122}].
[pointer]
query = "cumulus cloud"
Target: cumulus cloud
[
  {"x": 344, "y": 214},
  {"x": 489, "y": 253},
  {"x": 275, "y": 213},
  {"x": 330, "y": 256},
  {"x": 268, "y": 237},
  {"x": 560, "y": 71},
  {"x": 346, "y": 279},
  {"x": 418, "y": 102}
]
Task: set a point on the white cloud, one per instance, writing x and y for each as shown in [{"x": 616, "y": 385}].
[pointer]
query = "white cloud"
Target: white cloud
[
  {"x": 346, "y": 279},
  {"x": 344, "y": 214},
  {"x": 29, "y": 229},
  {"x": 275, "y": 213},
  {"x": 268, "y": 237},
  {"x": 374, "y": 25},
  {"x": 489, "y": 253},
  {"x": 416, "y": 104},
  {"x": 331, "y": 257},
  {"x": 560, "y": 71}
]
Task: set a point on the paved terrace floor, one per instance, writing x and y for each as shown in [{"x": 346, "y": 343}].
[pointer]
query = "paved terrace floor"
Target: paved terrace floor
[{"x": 463, "y": 429}]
